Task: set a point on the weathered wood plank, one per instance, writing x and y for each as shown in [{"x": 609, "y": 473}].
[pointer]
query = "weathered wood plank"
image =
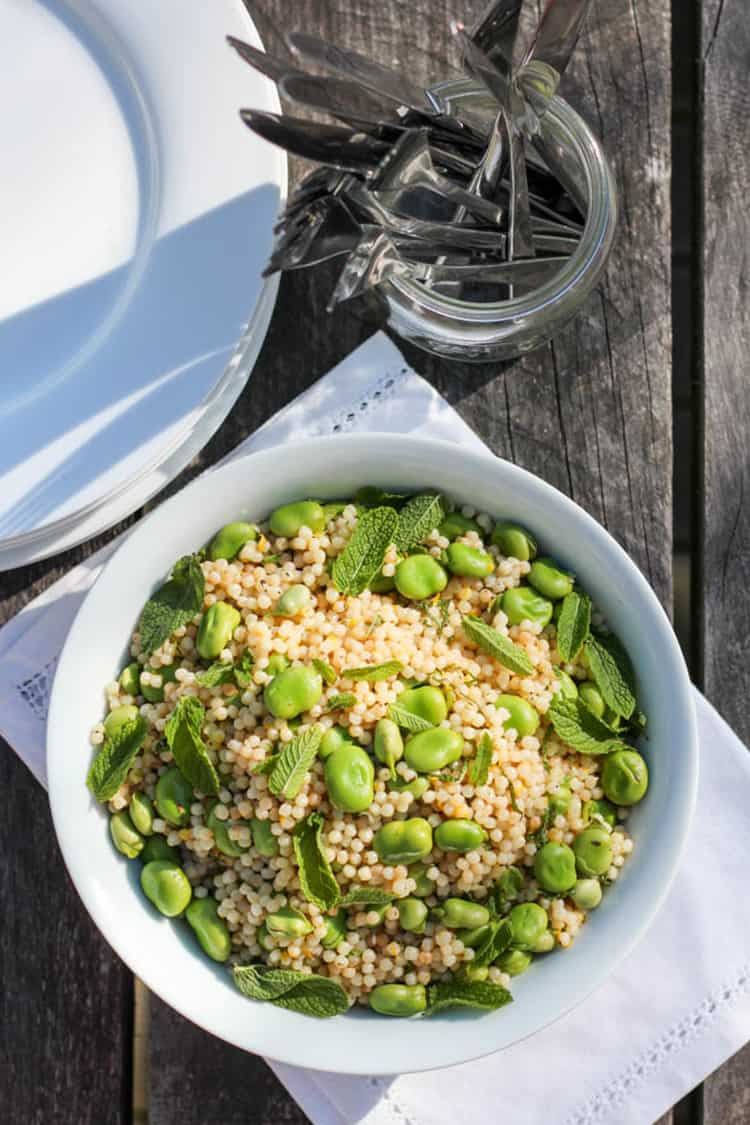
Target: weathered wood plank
[
  {"x": 65, "y": 1000},
  {"x": 591, "y": 414},
  {"x": 725, "y": 618}
]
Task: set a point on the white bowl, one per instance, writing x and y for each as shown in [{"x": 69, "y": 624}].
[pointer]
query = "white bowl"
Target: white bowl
[{"x": 164, "y": 955}]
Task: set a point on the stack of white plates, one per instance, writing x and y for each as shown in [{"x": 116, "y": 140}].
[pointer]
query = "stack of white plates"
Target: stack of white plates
[{"x": 136, "y": 214}]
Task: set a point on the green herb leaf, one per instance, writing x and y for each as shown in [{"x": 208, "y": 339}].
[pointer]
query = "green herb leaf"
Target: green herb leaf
[
  {"x": 371, "y": 497},
  {"x": 454, "y": 772},
  {"x": 612, "y": 672},
  {"x": 458, "y": 993},
  {"x": 581, "y": 729},
  {"x": 573, "y": 624},
  {"x": 407, "y": 720},
  {"x": 307, "y": 993},
  {"x": 503, "y": 649},
  {"x": 289, "y": 773},
  {"x": 216, "y": 673},
  {"x": 183, "y": 733},
  {"x": 511, "y": 793},
  {"x": 267, "y": 765},
  {"x": 315, "y": 874},
  {"x": 243, "y": 669},
  {"x": 374, "y": 673},
  {"x": 269, "y": 560},
  {"x": 479, "y": 766},
  {"x": 495, "y": 605},
  {"x": 540, "y": 836},
  {"x": 324, "y": 669},
  {"x": 174, "y": 604},
  {"x": 111, "y": 765},
  {"x": 419, "y": 516},
  {"x": 498, "y": 938},
  {"x": 507, "y": 887},
  {"x": 341, "y": 701},
  {"x": 370, "y": 896},
  {"x": 362, "y": 558}
]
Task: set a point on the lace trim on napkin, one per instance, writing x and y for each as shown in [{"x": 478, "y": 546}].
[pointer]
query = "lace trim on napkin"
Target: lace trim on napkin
[
  {"x": 35, "y": 691},
  {"x": 674, "y": 1040},
  {"x": 352, "y": 418}
]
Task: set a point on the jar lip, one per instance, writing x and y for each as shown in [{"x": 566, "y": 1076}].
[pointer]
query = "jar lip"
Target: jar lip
[{"x": 597, "y": 232}]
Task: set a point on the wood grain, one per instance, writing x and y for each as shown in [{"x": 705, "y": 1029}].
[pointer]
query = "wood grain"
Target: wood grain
[{"x": 725, "y": 617}]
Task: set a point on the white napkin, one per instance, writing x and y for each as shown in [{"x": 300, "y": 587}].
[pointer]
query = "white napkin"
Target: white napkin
[{"x": 672, "y": 1012}]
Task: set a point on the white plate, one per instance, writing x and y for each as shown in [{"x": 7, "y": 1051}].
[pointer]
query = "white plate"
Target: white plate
[
  {"x": 164, "y": 954},
  {"x": 136, "y": 215}
]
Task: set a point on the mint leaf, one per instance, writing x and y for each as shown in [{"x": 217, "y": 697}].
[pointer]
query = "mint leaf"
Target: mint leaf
[
  {"x": 479, "y": 766},
  {"x": 612, "y": 672},
  {"x": 573, "y": 624},
  {"x": 458, "y": 993},
  {"x": 183, "y": 734},
  {"x": 324, "y": 669},
  {"x": 362, "y": 558},
  {"x": 289, "y": 773},
  {"x": 374, "y": 673},
  {"x": 405, "y": 719},
  {"x": 507, "y": 887},
  {"x": 111, "y": 765},
  {"x": 216, "y": 673},
  {"x": 499, "y": 937},
  {"x": 503, "y": 649},
  {"x": 581, "y": 729},
  {"x": 369, "y": 896},
  {"x": 315, "y": 874},
  {"x": 174, "y": 604},
  {"x": 243, "y": 669},
  {"x": 371, "y": 497},
  {"x": 419, "y": 516},
  {"x": 342, "y": 700},
  {"x": 307, "y": 993}
]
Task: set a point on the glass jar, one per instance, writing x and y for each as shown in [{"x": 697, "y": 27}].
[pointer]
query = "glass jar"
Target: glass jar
[{"x": 479, "y": 332}]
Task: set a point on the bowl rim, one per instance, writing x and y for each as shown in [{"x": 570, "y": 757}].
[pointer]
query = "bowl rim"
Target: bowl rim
[{"x": 312, "y": 1054}]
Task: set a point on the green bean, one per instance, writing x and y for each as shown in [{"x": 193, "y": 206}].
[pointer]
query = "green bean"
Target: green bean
[
  {"x": 403, "y": 841},
  {"x": 427, "y": 702},
  {"x": 455, "y": 524},
  {"x": 398, "y": 999},
  {"x": 474, "y": 937},
  {"x": 590, "y": 695},
  {"x": 459, "y": 835},
  {"x": 173, "y": 797},
  {"x": 513, "y": 962},
  {"x": 388, "y": 743},
  {"x": 288, "y": 922},
  {"x": 288, "y": 520},
  {"x": 277, "y": 662},
  {"x": 124, "y": 835},
  {"x": 418, "y": 787},
  {"x": 555, "y": 867},
  {"x": 419, "y": 577},
  {"x": 433, "y": 750},
  {"x": 230, "y": 539},
  {"x": 350, "y": 779},
  {"x": 624, "y": 777},
  {"x": 528, "y": 921},
  {"x": 424, "y": 885},
  {"x": 469, "y": 562},
  {"x": 142, "y": 813},
  {"x": 293, "y": 691},
  {"x": 167, "y": 886},
  {"x": 156, "y": 847},
  {"x": 216, "y": 629},
  {"x": 522, "y": 718},
  {"x": 460, "y": 914},
  {"x": 120, "y": 717},
  {"x": 475, "y": 972},
  {"x": 599, "y": 811},
  {"x": 568, "y": 686},
  {"x": 130, "y": 678},
  {"x": 545, "y": 943},
  {"x": 335, "y": 930},
  {"x": 211, "y": 930},
  {"x": 514, "y": 541},
  {"x": 521, "y": 604},
  {"x": 334, "y": 739},
  {"x": 294, "y": 601},
  {"x": 223, "y": 842},
  {"x": 587, "y": 894},
  {"x": 550, "y": 580},
  {"x": 412, "y": 914},
  {"x": 559, "y": 801},
  {"x": 266, "y": 844},
  {"x": 593, "y": 851}
]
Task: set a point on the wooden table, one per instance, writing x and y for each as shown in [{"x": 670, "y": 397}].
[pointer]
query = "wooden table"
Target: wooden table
[{"x": 592, "y": 413}]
